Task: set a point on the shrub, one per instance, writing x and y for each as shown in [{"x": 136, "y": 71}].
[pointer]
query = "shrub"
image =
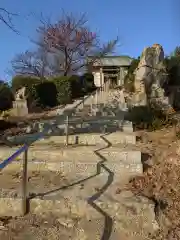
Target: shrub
[
  {"x": 82, "y": 85},
  {"x": 141, "y": 116},
  {"x": 77, "y": 88},
  {"x": 144, "y": 117},
  {"x": 24, "y": 81},
  {"x": 130, "y": 77},
  {"x": 178, "y": 134},
  {"x": 161, "y": 122},
  {"x": 88, "y": 82},
  {"x": 4, "y": 125},
  {"x": 63, "y": 87},
  {"x": 173, "y": 68},
  {"x": 6, "y": 96},
  {"x": 46, "y": 94}
]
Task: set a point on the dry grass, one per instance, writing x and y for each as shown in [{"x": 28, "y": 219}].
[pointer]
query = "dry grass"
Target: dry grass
[{"x": 161, "y": 182}]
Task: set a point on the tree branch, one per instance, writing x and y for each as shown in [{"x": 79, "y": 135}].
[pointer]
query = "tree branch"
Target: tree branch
[{"x": 6, "y": 18}]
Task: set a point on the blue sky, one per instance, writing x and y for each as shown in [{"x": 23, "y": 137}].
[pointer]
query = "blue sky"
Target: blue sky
[{"x": 138, "y": 24}]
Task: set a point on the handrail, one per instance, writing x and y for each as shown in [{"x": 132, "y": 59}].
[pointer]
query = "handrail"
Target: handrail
[
  {"x": 13, "y": 156},
  {"x": 24, "y": 149},
  {"x": 6, "y": 162},
  {"x": 17, "y": 153}
]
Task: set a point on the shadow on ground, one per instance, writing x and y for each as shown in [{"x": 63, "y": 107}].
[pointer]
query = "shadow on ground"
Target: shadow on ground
[{"x": 108, "y": 221}]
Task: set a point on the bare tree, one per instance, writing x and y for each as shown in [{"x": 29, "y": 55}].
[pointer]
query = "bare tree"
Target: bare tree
[
  {"x": 32, "y": 64},
  {"x": 71, "y": 41},
  {"x": 6, "y": 18}
]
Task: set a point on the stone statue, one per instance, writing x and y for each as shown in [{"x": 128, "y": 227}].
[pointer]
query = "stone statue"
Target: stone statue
[
  {"x": 20, "y": 107},
  {"x": 20, "y": 94}
]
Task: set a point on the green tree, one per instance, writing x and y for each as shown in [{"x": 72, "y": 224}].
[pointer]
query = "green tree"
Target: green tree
[
  {"x": 63, "y": 87},
  {"x": 173, "y": 67}
]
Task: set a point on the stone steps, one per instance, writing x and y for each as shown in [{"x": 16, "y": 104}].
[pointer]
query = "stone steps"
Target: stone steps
[
  {"x": 98, "y": 127},
  {"x": 51, "y": 185},
  {"x": 56, "y": 153},
  {"x": 77, "y": 183},
  {"x": 82, "y": 168},
  {"x": 80, "y": 220},
  {"x": 81, "y": 138},
  {"x": 79, "y": 154},
  {"x": 54, "y": 189},
  {"x": 121, "y": 138},
  {"x": 119, "y": 155},
  {"x": 90, "y": 139}
]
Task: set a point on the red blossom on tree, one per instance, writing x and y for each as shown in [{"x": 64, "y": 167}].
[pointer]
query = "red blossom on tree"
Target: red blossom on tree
[{"x": 71, "y": 42}]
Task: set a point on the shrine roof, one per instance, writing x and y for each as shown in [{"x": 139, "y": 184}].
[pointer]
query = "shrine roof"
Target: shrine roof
[{"x": 112, "y": 61}]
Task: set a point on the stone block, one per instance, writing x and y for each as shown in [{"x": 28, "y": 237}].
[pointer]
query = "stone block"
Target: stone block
[
  {"x": 121, "y": 156},
  {"x": 20, "y": 108}
]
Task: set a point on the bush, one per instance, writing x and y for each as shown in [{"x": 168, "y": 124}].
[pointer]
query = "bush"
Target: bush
[
  {"x": 4, "y": 125},
  {"x": 141, "y": 115},
  {"x": 130, "y": 77},
  {"x": 88, "y": 83},
  {"x": 173, "y": 68},
  {"x": 63, "y": 87},
  {"x": 46, "y": 94},
  {"x": 148, "y": 118},
  {"x": 6, "y": 96},
  {"x": 24, "y": 81},
  {"x": 77, "y": 88},
  {"x": 81, "y": 86}
]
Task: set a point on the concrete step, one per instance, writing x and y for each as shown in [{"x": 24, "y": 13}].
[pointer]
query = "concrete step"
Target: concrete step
[
  {"x": 129, "y": 218},
  {"x": 54, "y": 153},
  {"x": 50, "y": 185},
  {"x": 78, "y": 168},
  {"x": 113, "y": 154},
  {"x": 38, "y": 181},
  {"x": 54, "y": 185},
  {"x": 119, "y": 137},
  {"x": 91, "y": 139},
  {"x": 79, "y": 138},
  {"x": 78, "y": 153},
  {"x": 13, "y": 206},
  {"x": 53, "y": 192}
]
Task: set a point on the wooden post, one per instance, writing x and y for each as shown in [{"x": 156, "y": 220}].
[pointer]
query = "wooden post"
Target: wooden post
[
  {"x": 101, "y": 82},
  {"x": 24, "y": 183},
  {"x": 67, "y": 130},
  {"x": 97, "y": 96},
  {"x": 92, "y": 102},
  {"x": 83, "y": 102}
]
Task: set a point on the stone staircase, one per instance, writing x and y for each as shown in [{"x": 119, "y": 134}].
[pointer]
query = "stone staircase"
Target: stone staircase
[{"x": 81, "y": 187}]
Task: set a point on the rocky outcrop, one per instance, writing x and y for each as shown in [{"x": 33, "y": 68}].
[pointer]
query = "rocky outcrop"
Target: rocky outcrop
[{"x": 150, "y": 77}]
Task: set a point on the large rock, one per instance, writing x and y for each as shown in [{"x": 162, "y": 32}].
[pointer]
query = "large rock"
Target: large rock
[{"x": 150, "y": 77}]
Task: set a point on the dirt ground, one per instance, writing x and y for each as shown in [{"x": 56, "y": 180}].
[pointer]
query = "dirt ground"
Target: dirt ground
[{"x": 161, "y": 179}]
